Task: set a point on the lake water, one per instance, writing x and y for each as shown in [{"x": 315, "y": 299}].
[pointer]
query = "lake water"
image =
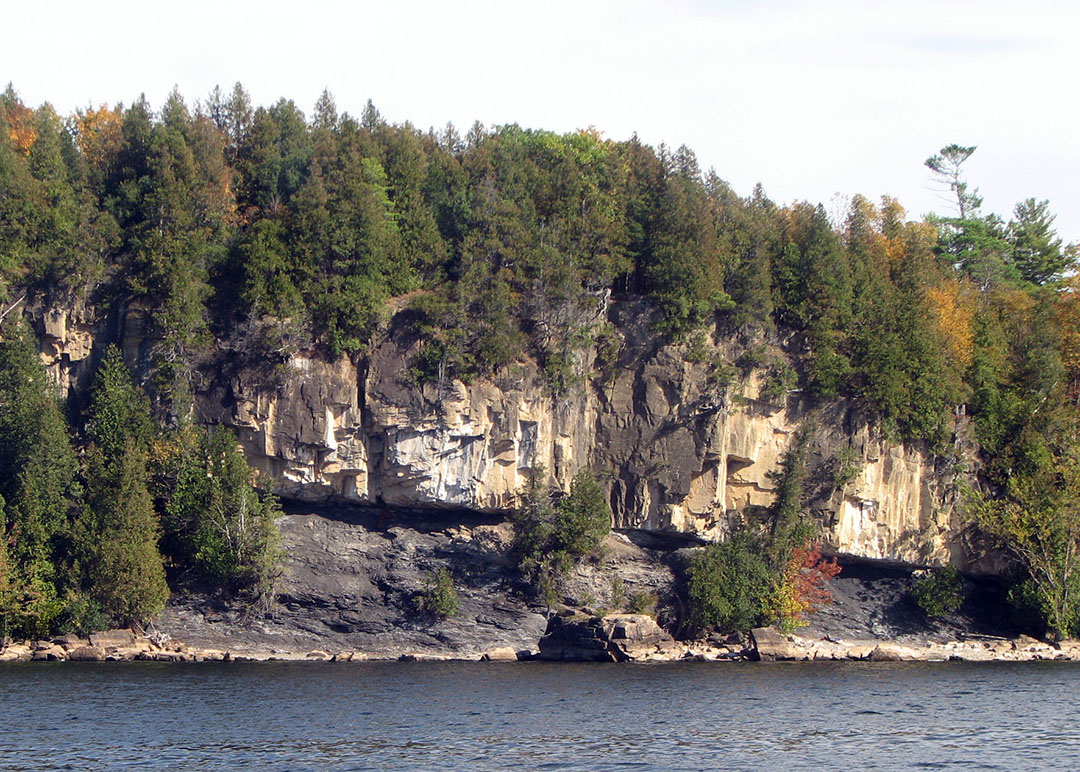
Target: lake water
[{"x": 539, "y": 716}]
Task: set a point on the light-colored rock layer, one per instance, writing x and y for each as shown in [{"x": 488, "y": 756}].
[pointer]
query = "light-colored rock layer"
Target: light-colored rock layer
[
  {"x": 772, "y": 646},
  {"x": 675, "y": 451}
]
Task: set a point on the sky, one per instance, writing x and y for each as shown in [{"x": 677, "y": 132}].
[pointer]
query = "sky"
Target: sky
[{"x": 816, "y": 101}]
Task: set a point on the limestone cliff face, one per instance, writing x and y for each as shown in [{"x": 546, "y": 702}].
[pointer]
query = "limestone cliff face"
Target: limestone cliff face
[{"x": 677, "y": 452}]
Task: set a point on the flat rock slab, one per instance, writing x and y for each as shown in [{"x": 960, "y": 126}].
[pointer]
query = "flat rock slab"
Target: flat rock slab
[
  {"x": 499, "y": 654},
  {"x": 113, "y": 639}
]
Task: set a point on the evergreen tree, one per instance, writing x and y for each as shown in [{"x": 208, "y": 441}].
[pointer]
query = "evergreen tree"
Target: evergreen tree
[
  {"x": 37, "y": 483},
  {"x": 116, "y": 537},
  {"x": 1037, "y": 251},
  {"x": 216, "y": 521}
]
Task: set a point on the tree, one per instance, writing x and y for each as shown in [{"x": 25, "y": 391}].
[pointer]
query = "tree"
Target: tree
[
  {"x": 1038, "y": 519},
  {"x": 972, "y": 243},
  {"x": 216, "y": 520},
  {"x": 8, "y": 587},
  {"x": 116, "y": 536},
  {"x": 728, "y": 583},
  {"x": 814, "y": 293},
  {"x": 549, "y": 540},
  {"x": 37, "y": 481},
  {"x": 787, "y": 527},
  {"x": 583, "y": 518},
  {"x": 947, "y": 165},
  {"x": 1036, "y": 249}
]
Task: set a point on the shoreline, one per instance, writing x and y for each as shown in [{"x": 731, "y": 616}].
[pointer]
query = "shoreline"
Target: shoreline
[{"x": 765, "y": 645}]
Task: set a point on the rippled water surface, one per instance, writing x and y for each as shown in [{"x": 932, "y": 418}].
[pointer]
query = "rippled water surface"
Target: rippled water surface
[{"x": 538, "y": 716}]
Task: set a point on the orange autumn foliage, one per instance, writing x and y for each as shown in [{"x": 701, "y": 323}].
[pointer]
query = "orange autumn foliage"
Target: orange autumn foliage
[
  {"x": 803, "y": 589},
  {"x": 811, "y": 573},
  {"x": 21, "y": 131}
]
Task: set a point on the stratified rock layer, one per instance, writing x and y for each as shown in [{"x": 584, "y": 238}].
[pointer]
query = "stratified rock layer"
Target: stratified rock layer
[{"x": 676, "y": 451}]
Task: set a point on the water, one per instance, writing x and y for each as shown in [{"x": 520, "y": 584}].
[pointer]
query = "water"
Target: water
[{"x": 274, "y": 717}]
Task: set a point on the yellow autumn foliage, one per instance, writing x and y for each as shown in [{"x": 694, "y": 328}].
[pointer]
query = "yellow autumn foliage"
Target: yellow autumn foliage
[
  {"x": 952, "y": 302},
  {"x": 21, "y": 131},
  {"x": 98, "y": 133}
]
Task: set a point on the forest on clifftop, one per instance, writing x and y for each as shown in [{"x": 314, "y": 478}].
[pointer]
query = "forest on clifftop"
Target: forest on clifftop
[{"x": 270, "y": 231}]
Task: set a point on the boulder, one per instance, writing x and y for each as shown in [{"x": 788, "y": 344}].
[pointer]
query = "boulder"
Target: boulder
[
  {"x": 87, "y": 654},
  {"x": 577, "y": 639},
  {"x": 612, "y": 638},
  {"x": 891, "y": 652},
  {"x": 771, "y": 646},
  {"x": 49, "y": 652},
  {"x": 635, "y": 635},
  {"x": 15, "y": 653}
]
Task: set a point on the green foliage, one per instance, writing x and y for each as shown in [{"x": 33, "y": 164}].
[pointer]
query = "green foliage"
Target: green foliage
[
  {"x": 583, "y": 518},
  {"x": 643, "y": 602},
  {"x": 1027, "y": 605},
  {"x": 1037, "y": 518},
  {"x": 728, "y": 583},
  {"x": 722, "y": 374},
  {"x": 779, "y": 380},
  {"x": 549, "y": 539},
  {"x": 119, "y": 411},
  {"x": 788, "y": 529},
  {"x": 938, "y": 592},
  {"x": 37, "y": 465},
  {"x": 438, "y": 598},
  {"x": 83, "y": 615},
  {"x": 846, "y": 466},
  {"x": 215, "y": 518},
  {"x": 618, "y": 592},
  {"x": 38, "y": 490},
  {"x": 1037, "y": 251},
  {"x": 116, "y": 536}
]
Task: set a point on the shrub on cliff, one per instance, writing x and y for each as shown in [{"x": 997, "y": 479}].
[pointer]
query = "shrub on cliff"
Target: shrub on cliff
[
  {"x": 549, "y": 539},
  {"x": 438, "y": 598},
  {"x": 939, "y": 592}
]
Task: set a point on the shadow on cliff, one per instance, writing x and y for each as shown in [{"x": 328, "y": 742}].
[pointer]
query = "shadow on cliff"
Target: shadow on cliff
[
  {"x": 377, "y": 517},
  {"x": 871, "y": 600}
]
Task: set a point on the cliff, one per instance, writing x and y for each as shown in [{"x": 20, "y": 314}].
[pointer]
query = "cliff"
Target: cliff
[{"x": 678, "y": 450}]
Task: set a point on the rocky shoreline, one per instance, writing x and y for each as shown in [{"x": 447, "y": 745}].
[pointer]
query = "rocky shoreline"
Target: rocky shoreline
[
  {"x": 349, "y": 588},
  {"x": 612, "y": 638}
]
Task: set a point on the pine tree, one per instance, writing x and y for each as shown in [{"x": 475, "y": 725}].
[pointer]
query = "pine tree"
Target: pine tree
[
  {"x": 1037, "y": 251},
  {"x": 36, "y": 461}
]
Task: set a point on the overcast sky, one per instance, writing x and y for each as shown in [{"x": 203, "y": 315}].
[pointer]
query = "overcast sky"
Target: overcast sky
[{"x": 812, "y": 99}]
